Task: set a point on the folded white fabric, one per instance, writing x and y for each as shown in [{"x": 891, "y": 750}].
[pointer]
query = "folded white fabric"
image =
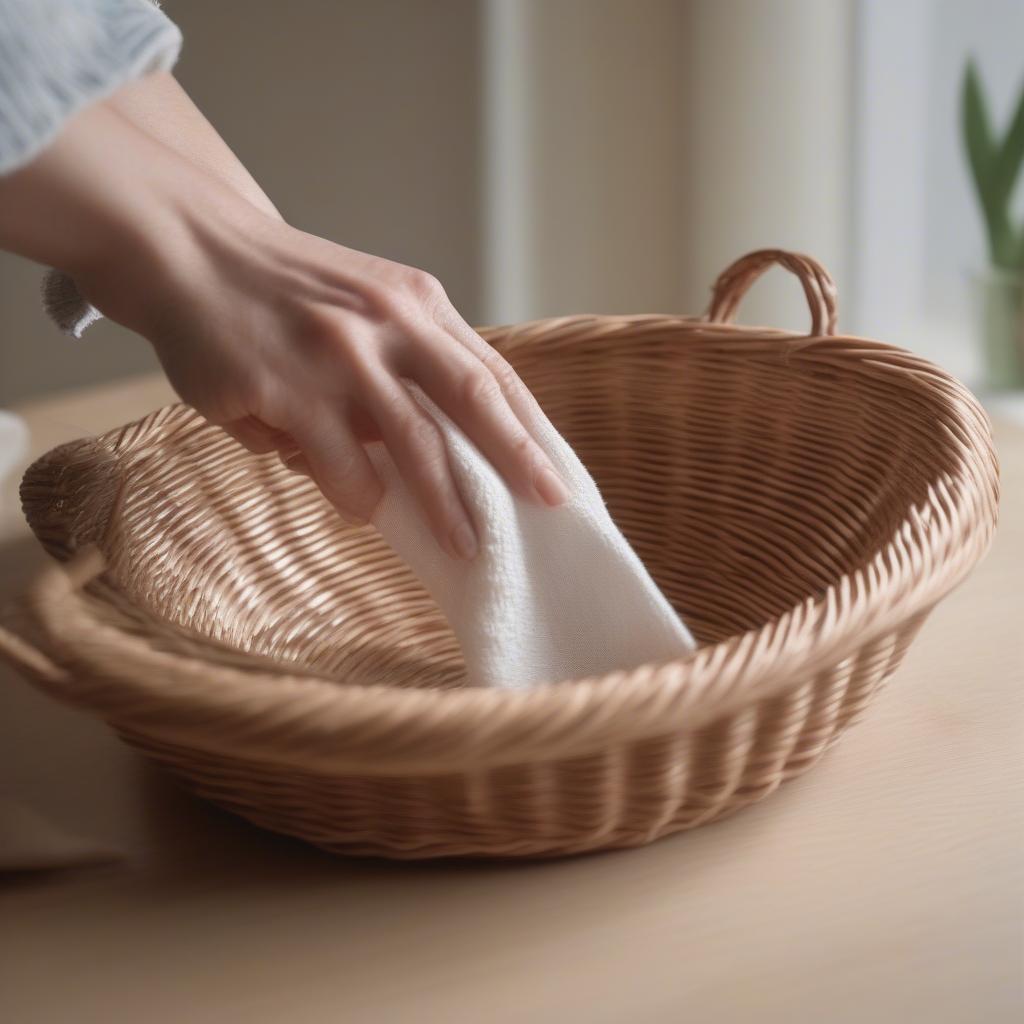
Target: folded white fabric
[
  {"x": 13, "y": 444},
  {"x": 553, "y": 594},
  {"x": 31, "y": 842}
]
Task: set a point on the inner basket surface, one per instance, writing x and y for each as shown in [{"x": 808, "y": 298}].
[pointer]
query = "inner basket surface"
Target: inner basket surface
[
  {"x": 750, "y": 471},
  {"x": 802, "y": 501}
]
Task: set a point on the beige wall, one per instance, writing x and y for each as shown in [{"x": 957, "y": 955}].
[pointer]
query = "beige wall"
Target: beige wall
[
  {"x": 770, "y": 140},
  {"x": 539, "y": 156},
  {"x": 608, "y": 169},
  {"x": 359, "y": 118},
  {"x": 658, "y": 140}
]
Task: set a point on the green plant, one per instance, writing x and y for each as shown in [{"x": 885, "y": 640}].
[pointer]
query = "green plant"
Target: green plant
[{"x": 995, "y": 165}]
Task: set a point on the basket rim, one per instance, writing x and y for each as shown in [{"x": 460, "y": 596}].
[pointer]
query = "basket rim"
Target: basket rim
[{"x": 319, "y": 724}]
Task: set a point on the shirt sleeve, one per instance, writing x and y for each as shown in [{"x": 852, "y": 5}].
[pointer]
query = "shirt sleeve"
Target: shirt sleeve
[{"x": 57, "y": 56}]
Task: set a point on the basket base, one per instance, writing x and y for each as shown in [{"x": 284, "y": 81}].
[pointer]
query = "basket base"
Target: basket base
[{"x": 419, "y": 818}]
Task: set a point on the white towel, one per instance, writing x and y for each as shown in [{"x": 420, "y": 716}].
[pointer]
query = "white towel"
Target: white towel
[
  {"x": 553, "y": 593},
  {"x": 13, "y": 449},
  {"x": 30, "y": 841}
]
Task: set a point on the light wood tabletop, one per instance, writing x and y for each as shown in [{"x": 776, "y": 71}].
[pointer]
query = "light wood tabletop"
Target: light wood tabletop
[{"x": 887, "y": 885}]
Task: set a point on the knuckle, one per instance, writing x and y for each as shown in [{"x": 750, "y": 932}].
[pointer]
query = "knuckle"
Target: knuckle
[
  {"x": 424, "y": 284},
  {"x": 254, "y": 394},
  {"x": 312, "y": 326},
  {"x": 382, "y": 299},
  {"x": 428, "y": 295},
  {"x": 325, "y": 333},
  {"x": 479, "y": 389},
  {"x": 404, "y": 297},
  {"x": 523, "y": 447},
  {"x": 419, "y": 434},
  {"x": 316, "y": 320},
  {"x": 507, "y": 378}
]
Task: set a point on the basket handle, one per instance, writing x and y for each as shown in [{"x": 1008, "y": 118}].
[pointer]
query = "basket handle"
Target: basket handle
[{"x": 733, "y": 282}]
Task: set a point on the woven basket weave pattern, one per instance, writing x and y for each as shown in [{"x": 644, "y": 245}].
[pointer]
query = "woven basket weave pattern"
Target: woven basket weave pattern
[{"x": 802, "y": 501}]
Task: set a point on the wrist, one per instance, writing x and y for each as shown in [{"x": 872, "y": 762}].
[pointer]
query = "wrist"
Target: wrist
[{"x": 97, "y": 203}]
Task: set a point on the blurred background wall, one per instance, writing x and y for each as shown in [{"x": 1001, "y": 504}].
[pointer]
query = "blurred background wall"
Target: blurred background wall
[
  {"x": 550, "y": 156},
  {"x": 360, "y": 119}
]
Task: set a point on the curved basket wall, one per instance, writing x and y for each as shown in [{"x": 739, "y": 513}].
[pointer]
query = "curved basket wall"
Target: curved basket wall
[{"x": 803, "y": 501}]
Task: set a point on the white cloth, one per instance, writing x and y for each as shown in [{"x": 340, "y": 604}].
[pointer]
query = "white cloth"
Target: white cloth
[
  {"x": 30, "y": 841},
  {"x": 13, "y": 444},
  {"x": 553, "y": 593}
]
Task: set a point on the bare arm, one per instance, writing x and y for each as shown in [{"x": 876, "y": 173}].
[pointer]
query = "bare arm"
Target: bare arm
[
  {"x": 289, "y": 341},
  {"x": 159, "y": 106}
]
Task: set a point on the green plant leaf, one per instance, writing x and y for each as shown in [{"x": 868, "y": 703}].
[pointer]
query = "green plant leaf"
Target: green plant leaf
[
  {"x": 1017, "y": 255},
  {"x": 1009, "y": 156},
  {"x": 981, "y": 155},
  {"x": 977, "y": 134}
]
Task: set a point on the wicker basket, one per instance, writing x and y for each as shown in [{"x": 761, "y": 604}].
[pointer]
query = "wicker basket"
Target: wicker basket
[{"x": 803, "y": 501}]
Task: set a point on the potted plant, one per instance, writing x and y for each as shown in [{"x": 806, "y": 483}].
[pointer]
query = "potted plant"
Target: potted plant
[{"x": 995, "y": 164}]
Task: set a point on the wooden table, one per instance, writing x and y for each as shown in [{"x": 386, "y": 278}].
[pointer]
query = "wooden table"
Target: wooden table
[{"x": 887, "y": 885}]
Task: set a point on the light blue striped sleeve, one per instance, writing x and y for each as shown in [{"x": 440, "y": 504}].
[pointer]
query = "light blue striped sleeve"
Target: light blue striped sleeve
[{"x": 57, "y": 56}]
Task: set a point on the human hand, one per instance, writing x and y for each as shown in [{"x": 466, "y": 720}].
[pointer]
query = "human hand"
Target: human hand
[{"x": 290, "y": 342}]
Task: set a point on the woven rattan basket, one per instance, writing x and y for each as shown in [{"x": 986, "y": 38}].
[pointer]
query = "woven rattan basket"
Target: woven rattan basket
[{"x": 804, "y": 501}]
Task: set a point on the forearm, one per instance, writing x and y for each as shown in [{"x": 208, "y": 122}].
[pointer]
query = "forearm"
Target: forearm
[
  {"x": 59, "y": 58},
  {"x": 73, "y": 205},
  {"x": 290, "y": 342},
  {"x": 160, "y": 107}
]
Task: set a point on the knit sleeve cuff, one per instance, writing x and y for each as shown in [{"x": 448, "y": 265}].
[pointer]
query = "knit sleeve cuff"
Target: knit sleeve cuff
[
  {"x": 64, "y": 305},
  {"x": 57, "y": 56}
]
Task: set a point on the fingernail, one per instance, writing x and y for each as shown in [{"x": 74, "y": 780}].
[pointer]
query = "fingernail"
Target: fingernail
[
  {"x": 464, "y": 541},
  {"x": 549, "y": 486}
]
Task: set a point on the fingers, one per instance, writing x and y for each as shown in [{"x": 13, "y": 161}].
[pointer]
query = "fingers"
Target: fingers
[
  {"x": 421, "y": 457},
  {"x": 354, "y": 368},
  {"x": 345, "y": 476},
  {"x": 477, "y": 400},
  {"x": 296, "y": 462},
  {"x": 256, "y": 436},
  {"x": 517, "y": 394},
  {"x": 260, "y": 439},
  {"x": 330, "y": 452}
]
